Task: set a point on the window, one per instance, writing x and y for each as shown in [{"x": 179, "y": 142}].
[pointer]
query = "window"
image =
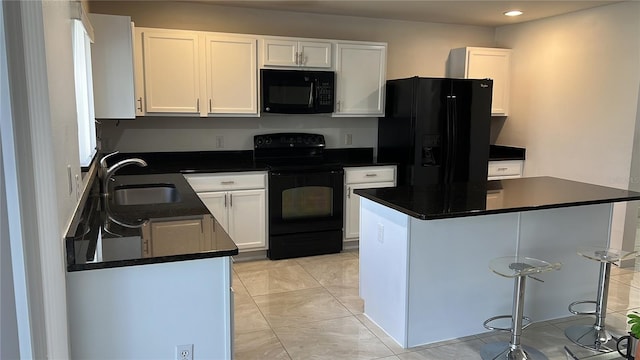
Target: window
[{"x": 84, "y": 93}]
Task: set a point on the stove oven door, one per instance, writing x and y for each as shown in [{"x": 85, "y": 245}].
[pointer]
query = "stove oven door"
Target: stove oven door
[{"x": 305, "y": 201}]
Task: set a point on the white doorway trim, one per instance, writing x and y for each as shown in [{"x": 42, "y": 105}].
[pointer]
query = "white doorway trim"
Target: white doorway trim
[{"x": 38, "y": 260}]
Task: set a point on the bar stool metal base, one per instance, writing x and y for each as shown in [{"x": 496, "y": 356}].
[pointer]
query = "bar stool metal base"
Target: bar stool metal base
[
  {"x": 590, "y": 337},
  {"x": 506, "y": 351}
]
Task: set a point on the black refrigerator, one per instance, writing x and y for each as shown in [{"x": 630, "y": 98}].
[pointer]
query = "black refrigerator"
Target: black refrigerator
[{"x": 436, "y": 129}]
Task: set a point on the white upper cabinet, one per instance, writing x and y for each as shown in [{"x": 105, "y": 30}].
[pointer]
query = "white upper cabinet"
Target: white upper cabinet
[
  {"x": 112, "y": 63},
  {"x": 231, "y": 75},
  {"x": 482, "y": 63},
  {"x": 360, "y": 79},
  {"x": 192, "y": 72},
  {"x": 282, "y": 52},
  {"x": 171, "y": 71}
]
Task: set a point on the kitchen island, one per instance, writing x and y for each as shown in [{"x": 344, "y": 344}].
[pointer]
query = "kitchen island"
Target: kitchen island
[{"x": 425, "y": 252}]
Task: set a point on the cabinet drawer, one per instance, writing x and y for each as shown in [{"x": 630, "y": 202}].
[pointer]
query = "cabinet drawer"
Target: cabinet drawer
[
  {"x": 226, "y": 181},
  {"x": 369, "y": 174},
  {"x": 505, "y": 168}
]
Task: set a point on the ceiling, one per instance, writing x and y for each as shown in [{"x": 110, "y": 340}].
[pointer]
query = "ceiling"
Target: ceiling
[{"x": 475, "y": 12}]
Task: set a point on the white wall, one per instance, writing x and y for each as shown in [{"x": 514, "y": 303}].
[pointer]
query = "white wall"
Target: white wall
[
  {"x": 574, "y": 95},
  {"x": 59, "y": 52},
  {"x": 413, "y": 49},
  {"x": 198, "y": 134}
]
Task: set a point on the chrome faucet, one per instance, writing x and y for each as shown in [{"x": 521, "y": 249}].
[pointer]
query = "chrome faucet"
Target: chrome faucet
[{"x": 108, "y": 172}]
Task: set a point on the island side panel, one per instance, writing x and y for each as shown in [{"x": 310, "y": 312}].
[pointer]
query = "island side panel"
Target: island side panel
[
  {"x": 383, "y": 267},
  {"x": 555, "y": 235},
  {"x": 144, "y": 311},
  {"x": 452, "y": 291}
]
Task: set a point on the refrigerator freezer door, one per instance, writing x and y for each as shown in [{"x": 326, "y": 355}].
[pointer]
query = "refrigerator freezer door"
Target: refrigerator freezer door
[{"x": 472, "y": 121}]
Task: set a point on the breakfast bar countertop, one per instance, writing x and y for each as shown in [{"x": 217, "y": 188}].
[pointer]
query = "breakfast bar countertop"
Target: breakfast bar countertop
[{"x": 493, "y": 197}]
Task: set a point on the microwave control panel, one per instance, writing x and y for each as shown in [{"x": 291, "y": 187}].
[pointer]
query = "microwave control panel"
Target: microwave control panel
[{"x": 325, "y": 94}]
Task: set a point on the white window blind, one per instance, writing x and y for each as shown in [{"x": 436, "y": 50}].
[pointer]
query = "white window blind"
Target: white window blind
[{"x": 84, "y": 93}]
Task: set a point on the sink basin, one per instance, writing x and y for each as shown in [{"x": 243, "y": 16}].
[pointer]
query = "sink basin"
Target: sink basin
[{"x": 145, "y": 194}]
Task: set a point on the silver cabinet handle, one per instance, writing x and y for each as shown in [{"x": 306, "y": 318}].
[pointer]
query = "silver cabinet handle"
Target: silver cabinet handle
[
  {"x": 338, "y": 105},
  {"x": 502, "y": 169},
  {"x": 230, "y": 200},
  {"x": 348, "y": 192},
  {"x": 231, "y": 182},
  {"x": 302, "y": 58},
  {"x": 140, "y": 104},
  {"x": 198, "y": 105},
  {"x": 145, "y": 249},
  {"x": 371, "y": 175},
  {"x": 210, "y": 107},
  {"x": 225, "y": 200}
]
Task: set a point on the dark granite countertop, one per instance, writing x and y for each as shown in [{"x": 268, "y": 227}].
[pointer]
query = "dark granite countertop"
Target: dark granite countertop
[
  {"x": 470, "y": 199},
  {"x": 118, "y": 227},
  {"x": 502, "y": 152},
  {"x": 122, "y": 234}
]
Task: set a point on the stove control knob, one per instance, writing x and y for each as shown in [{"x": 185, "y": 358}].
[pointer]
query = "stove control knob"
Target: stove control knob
[
  {"x": 259, "y": 140},
  {"x": 268, "y": 141}
]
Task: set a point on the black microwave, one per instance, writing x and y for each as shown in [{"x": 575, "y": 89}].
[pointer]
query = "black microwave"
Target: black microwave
[{"x": 297, "y": 91}]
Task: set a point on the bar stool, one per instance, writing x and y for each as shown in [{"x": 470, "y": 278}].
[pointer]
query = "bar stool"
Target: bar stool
[
  {"x": 518, "y": 268},
  {"x": 594, "y": 337}
]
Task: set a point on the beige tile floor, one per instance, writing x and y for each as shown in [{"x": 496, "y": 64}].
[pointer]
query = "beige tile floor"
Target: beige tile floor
[{"x": 309, "y": 308}]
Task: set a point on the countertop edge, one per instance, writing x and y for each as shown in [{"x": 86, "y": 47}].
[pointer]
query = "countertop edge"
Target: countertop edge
[
  {"x": 632, "y": 196},
  {"x": 151, "y": 260}
]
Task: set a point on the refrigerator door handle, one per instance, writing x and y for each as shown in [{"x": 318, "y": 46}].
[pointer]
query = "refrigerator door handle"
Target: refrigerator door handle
[
  {"x": 449, "y": 139},
  {"x": 454, "y": 125}
]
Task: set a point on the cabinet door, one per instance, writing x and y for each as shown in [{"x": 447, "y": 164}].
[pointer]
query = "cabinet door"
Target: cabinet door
[
  {"x": 314, "y": 54},
  {"x": 216, "y": 203},
  {"x": 352, "y": 208},
  {"x": 171, "y": 72},
  {"x": 112, "y": 64},
  {"x": 231, "y": 75},
  {"x": 360, "y": 72},
  {"x": 493, "y": 64},
  {"x": 176, "y": 237},
  {"x": 276, "y": 52},
  {"x": 247, "y": 218}
]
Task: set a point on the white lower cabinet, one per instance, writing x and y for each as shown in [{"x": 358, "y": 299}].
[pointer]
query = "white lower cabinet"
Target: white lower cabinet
[
  {"x": 180, "y": 236},
  {"x": 362, "y": 178},
  {"x": 238, "y": 202}
]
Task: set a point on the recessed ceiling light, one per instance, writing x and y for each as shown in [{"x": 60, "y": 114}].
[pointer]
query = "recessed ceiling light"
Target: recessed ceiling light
[{"x": 513, "y": 13}]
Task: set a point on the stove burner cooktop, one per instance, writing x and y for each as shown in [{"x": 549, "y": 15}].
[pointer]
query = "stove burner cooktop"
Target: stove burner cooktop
[{"x": 290, "y": 150}]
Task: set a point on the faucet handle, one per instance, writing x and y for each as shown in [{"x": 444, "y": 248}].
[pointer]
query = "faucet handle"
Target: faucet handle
[{"x": 103, "y": 161}]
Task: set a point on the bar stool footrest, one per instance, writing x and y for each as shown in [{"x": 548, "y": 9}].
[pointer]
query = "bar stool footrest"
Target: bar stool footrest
[
  {"x": 526, "y": 323},
  {"x": 505, "y": 350},
  {"x": 575, "y": 312}
]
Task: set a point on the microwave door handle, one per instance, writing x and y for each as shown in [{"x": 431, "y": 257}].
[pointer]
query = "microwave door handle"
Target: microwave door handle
[{"x": 311, "y": 96}]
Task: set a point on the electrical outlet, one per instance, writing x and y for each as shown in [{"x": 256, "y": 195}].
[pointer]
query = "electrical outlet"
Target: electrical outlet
[
  {"x": 184, "y": 352},
  {"x": 70, "y": 178},
  {"x": 348, "y": 139},
  {"x": 219, "y": 142}
]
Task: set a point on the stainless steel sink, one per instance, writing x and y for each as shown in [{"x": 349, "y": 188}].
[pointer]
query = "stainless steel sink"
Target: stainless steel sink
[{"x": 145, "y": 194}]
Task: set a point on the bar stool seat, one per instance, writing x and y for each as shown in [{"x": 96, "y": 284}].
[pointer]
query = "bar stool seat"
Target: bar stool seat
[
  {"x": 596, "y": 336},
  {"x": 518, "y": 268}
]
